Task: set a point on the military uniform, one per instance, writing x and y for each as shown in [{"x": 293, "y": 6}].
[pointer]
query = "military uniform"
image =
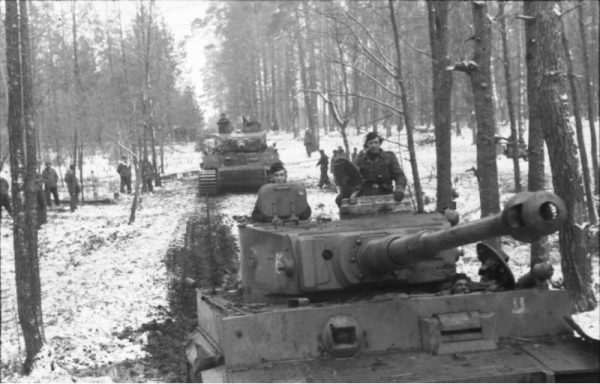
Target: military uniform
[
  {"x": 148, "y": 172},
  {"x": 73, "y": 187},
  {"x": 324, "y": 163},
  {"x": 124, "y": 171},
  {"x": 309, "y": 142},
  {"x": 50, "y": 179},
  {"x": 224, "y": 125},
  {"x": 379, "y": 171}
]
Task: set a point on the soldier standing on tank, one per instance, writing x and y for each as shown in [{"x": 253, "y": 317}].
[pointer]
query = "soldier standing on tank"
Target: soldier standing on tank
[
  {"x": 309, "y": 141},
  {"x": 73, "y": 187},
  {"x": 379, "y": 169},
  {"x": 354, "y": 154},
  {"x": 324, "y": 163},
  {"x": 50, "y": 179},
  {"x": 224, "y": 125},
  {"x": 124, "y": 171}
]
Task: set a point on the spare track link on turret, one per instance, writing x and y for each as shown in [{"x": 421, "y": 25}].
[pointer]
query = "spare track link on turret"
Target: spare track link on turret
[{"x": 207, "y": 182}]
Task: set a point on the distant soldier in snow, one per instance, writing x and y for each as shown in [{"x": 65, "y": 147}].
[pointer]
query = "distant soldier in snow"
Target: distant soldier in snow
[
  {"x": 309, "y": 142},
  {"x": 50, "y": 179},
  {"x": 94, "y": 181},
  {"x": 124, "y": 170},
  {"x": 324, "y": 163},
  {"x": 354, "y": 154},
  {"x": 42, "y": 215},
  {"x": 73, "y": 187},
  {"x": 148, "y": 173}
]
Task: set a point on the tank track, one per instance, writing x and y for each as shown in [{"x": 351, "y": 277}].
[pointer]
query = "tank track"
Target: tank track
[{"x": 207, "y": 183}]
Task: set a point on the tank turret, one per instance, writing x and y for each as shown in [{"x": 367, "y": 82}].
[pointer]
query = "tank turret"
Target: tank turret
[
  {"x": 393, "y": 250},
  {"x": 375, "y": 291}
]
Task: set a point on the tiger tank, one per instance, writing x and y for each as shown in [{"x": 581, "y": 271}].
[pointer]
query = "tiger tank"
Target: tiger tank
[
  {"x": 370, "y": 298},
  {"x": 236, "y": 161}
]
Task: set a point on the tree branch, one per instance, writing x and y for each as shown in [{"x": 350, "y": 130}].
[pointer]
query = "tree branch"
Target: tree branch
[
  {"x": 375, "y": 100},
  {"x": 366, "y": 74}
]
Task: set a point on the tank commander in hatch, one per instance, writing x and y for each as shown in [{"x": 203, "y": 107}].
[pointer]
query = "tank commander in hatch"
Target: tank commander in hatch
[
  {"x": 278, "y": 176},
  {"x": 379, "y": 169}
]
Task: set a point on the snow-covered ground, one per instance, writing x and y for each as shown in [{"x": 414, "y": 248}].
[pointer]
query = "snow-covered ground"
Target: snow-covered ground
[{"x": 101, "y": 276}]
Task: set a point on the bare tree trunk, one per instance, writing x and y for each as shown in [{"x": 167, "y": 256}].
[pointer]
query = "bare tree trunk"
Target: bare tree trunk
[
  {"x": 513, "y": 142},
  {"x": 536, "y": 180},
  {"x": 520, "y": 104},
  {"x": 590, "y": 98},
  {"x": 546, "y": 96},
  {"x": 305, "y": 77},
  {"x": 479, "y": 71},
  {"x": 80, "y": 164},
  {"x": 442, "y": 98},
  {"x": 23, "y": 166},
  {"x": 587, "y": 184},
  {"x": 78, "y": 87},
  {"x": 408, "y": 113}
]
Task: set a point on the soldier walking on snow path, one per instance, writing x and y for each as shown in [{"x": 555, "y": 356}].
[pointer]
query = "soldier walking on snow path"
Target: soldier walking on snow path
[
  {"x": 124, "y": 171},
  {"x": 73, "y": 187},
  {"x": 309, "y": 142},
  {"x": 148, "y": 173},
  {"x": 50, "y": 179},
  {"x": 324, "y": 163}
]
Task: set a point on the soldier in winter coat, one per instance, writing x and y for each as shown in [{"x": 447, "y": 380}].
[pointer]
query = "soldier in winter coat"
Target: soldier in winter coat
[
  {"x": 124, "y": 171},
  {"x": 380, "y": 170},
  {"x": 50, "y": 179},
  {"x": 73, "y": 187},
  {"x": 309, "y": 142},
  {"x": 148, "y": 172},
  {"x": 324, "y": 163}
]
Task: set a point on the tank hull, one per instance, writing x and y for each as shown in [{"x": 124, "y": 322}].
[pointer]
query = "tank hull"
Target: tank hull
[{"x": 515, "y": 336}]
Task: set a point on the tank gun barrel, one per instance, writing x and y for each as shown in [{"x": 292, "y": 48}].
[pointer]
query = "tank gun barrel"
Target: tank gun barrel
[{"x": 526, "y": 217}]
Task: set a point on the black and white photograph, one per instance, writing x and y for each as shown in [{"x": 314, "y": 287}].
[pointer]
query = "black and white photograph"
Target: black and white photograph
[{"x": 299, "y": 191}]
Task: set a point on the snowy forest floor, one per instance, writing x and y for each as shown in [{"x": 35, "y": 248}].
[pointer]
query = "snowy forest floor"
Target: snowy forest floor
[{"x": 107, "y": 285}]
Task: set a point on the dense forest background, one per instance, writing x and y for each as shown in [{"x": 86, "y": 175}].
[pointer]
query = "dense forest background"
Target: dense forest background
[
  {"x": 102, "y": 81},
  {"x": 80, "y": 79}
]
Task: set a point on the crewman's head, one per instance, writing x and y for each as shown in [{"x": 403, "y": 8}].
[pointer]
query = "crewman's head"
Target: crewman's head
[
  {"x": 460, "y": 284},
  {"x": 48, "y": 164},
  {"x": 372, "y": 142},
  {"x": 278, "y": 173}
]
